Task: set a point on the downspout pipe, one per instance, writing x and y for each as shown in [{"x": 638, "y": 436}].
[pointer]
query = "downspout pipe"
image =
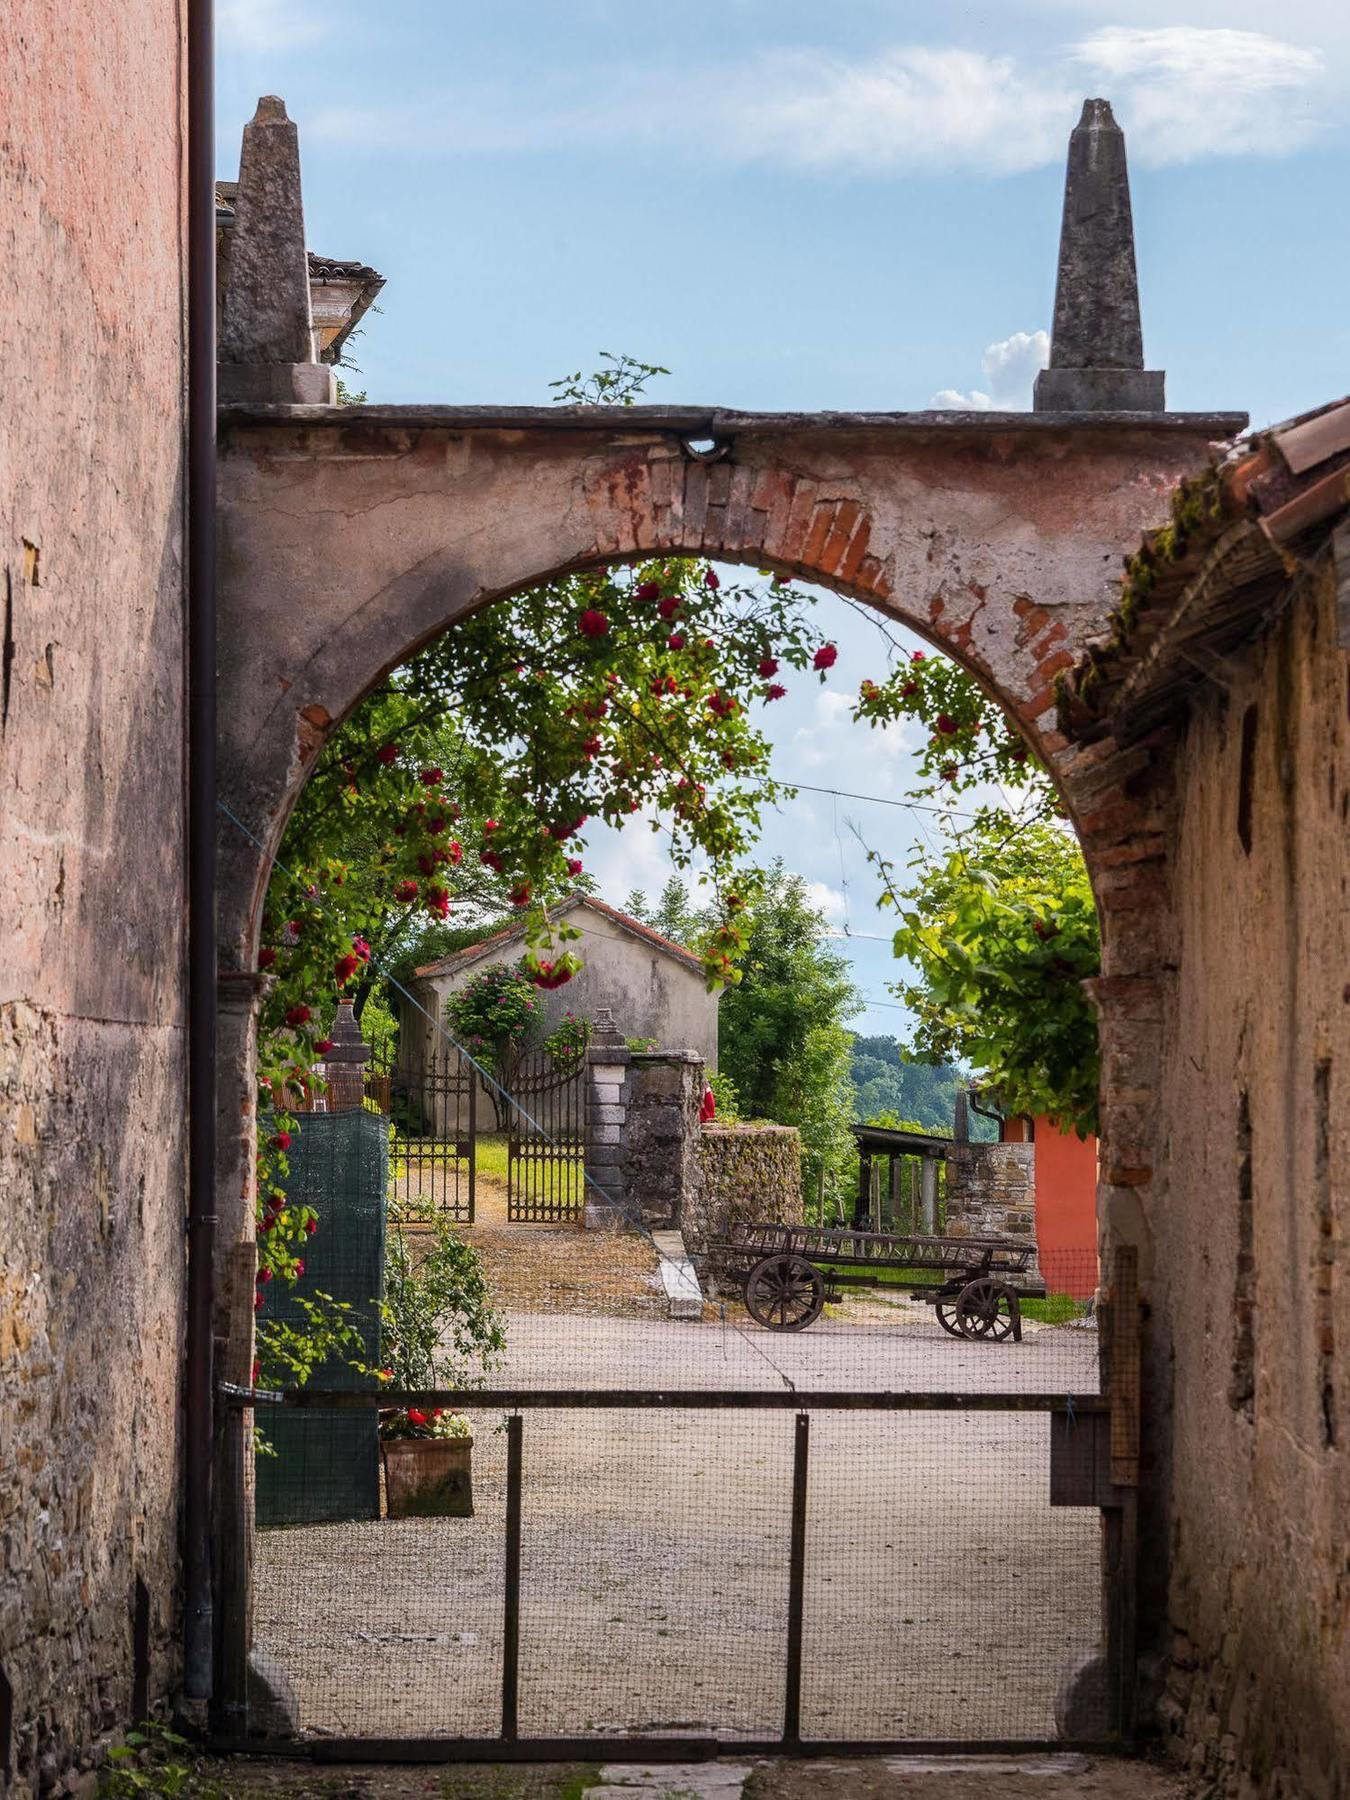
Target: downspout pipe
[{"x": 198, "y": 1631}]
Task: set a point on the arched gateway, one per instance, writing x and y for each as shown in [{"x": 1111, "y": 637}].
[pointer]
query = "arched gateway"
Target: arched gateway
[{"x": 350, "y": 537}]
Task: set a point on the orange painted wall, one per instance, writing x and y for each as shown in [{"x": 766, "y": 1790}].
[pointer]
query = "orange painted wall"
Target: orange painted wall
[{"x": 1066, "y": 1209}]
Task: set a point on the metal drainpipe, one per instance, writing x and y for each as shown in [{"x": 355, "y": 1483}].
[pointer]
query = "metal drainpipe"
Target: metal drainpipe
[{"x": 198, "y": 1630}]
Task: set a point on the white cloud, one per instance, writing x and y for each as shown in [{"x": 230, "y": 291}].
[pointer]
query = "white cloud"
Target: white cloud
[
  {"x": 1010, "y": 368},
  {"x": 1189, "y": 92},
  {"x": 266, "y": 25},
  {"x": 1180, "y": 91},
  {"x": 825, "y": 899}
]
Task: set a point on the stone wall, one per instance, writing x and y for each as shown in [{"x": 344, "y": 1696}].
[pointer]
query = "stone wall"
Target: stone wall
[
  {"x": 91, "y": 867},
  {"x": 747, "y": 1173},
  {"x": 1246, "y": 1586},
  {"x": 991, "y": 1191},
  {"x": 660, "y": 1139}
]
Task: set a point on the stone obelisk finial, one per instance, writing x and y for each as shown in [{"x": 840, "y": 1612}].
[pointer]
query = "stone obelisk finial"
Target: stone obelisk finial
[
  {"x": 1096, "y": 344},
  {"x": 266, "y": 331}
]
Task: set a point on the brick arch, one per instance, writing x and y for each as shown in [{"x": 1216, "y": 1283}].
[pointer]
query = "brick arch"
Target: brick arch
[{"x": 350, "y": 541}]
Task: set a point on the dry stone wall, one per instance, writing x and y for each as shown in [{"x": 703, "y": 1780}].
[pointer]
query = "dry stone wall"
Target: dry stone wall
[
  {"x": 991, "y": 1191},
  {"x": 747, "y": 1173},
  {"x": 91, "y": 868}
]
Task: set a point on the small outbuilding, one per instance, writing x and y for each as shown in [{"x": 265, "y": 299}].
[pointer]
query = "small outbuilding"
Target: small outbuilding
[{"x": 654, "y": 988}]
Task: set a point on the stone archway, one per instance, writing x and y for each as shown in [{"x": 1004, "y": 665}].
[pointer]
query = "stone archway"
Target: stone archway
[{"x": 352, "y": 537}]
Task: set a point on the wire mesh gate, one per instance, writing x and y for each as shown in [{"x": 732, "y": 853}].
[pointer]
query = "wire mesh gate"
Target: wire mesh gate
[
  {"x": 670, "y": 1573},
  {"x": 546, "y": 1140},
  {"x": 432, "y": 1108}
]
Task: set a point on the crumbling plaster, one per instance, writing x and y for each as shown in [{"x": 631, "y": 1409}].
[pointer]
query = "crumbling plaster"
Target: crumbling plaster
[
  {"x": 91, "y": 868},
  {"x": 1247, "y": 1482}
]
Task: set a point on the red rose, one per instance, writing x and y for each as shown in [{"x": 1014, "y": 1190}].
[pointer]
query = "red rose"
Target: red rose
[
  {"x": 520, "y": 896},
  {"x": 257, "y": 1303},
  {"x": 281, "y": 1140},
  {"x": 910, "y": 687},
  {"x": 591, "y": 747},
  {"x": 710, "y": 580},
  {"x": 669, "y": 606},
  {"x": 388, "y": 753},
  {"x": 406, "y": 890},
  {"x": 298, "y": 1015},
  {"x": 775, "y": 691},
  {"x": 323, "y": 1046},
  {"x": 311, "y": 1226},
  {"x": 768, "y": 665},
  {"x": 675, "y": 641},
  {"x": 454, "y": 850},
  {"x": 299, "y": 1265},
  {"x": 917, "y": 656},
  {"x": 344, "y": 968},
  {"x": 647, "y": 590},
  {"x": 437, "y": 824},
  {"x": 489, "y": 825},
  {"x": 426, "y": 862},
  {"x": 264, "y": 1276},
  {"x": 266, "y": 958},
  {"x": 574, "y": 865},
  {"x": 431, "y": 777},
  {"x": 438, "y": 902},
  {"x": 592, "y": 623},
  {"x": 362, "y": 948},
  {"x": 946, "y": 724},
  {"x": 490, "y": 860},
  {"x": 948, "y": 771},
  {"x": 825, "y": 657}
]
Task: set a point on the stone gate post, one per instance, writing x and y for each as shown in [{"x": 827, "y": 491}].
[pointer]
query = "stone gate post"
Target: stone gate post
[{"x": 606, "y": 1078}]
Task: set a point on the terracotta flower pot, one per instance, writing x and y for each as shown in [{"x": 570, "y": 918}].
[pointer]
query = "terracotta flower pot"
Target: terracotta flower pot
[{"x": 428, "y": 1478}]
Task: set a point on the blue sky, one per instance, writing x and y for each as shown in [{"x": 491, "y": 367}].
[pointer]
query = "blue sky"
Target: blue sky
[{"x": 793, "y": 206}]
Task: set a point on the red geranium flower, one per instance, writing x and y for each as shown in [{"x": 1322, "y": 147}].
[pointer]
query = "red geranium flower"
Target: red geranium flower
[
  {"x": 415, "y": 1417},
  {"x": 768, "y": 665},
  {"x": 825, "y": 657},
  {"x": 592, "y": 623},
  {"x": 298, "y": 1015}
]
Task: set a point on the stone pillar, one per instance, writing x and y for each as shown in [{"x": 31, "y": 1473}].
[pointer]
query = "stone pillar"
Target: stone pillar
[
  {"x": 928, "y": 1208},
  {"x": 266, "y": 332},
  {"x": 1097, "y": 344},
  {"x": 344, "y": 1066},
  {"x": 661, "y": 1169},
  {"x": 607, "y": 1064}
]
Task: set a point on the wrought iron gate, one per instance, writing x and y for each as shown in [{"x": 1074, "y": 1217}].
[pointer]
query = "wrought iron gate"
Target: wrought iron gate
[
  {"x": 546, "y": 1140},
  {"x": 433, "y": 1116}
]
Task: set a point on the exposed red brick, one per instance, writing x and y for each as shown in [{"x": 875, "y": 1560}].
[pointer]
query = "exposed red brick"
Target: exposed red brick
[
  {"x": 799, "y": 519},
  {"x": 822, "y": 522},
  {"x": 836, "y": 544},
  {"x": 856, "y": 550}
]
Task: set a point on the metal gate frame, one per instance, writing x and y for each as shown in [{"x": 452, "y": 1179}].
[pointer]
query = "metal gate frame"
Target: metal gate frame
[
  {"x": 546, "y": 1141},
  {"x": 442, "y": 1091},
  {"x": 1094, "y": 1461}
]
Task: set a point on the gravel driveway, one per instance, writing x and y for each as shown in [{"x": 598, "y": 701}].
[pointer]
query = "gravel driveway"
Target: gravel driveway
[{"x": 944, "y": 1597}]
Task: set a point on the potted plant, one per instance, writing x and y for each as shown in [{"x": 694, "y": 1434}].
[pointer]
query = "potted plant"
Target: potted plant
[{"x": 438, "y": 1329}]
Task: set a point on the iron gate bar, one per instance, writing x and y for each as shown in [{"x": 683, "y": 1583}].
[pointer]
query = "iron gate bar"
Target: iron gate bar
[
  {"x": 700, "y": 1399},
  {"x": 515, "y": 1427},
  {"x": 792, "y": 1698},
  {"x": 639, "y": 1749}
]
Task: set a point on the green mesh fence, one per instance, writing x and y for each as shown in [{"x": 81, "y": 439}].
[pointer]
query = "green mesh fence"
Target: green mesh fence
[{"x": 324, "y": 1467}]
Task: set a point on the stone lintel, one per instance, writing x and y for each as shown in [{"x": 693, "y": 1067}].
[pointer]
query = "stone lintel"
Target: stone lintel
[{"x": 299, "y": 383}]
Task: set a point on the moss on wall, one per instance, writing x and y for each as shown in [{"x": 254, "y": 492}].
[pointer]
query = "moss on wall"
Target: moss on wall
[{"x": 748, "y": 1173}]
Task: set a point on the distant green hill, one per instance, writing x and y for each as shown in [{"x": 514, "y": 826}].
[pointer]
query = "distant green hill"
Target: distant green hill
[{"x": 885, "y": 1082}]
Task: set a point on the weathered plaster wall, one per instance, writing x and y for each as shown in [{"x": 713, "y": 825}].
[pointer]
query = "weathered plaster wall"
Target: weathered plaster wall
[
  {"x": 1246, "y": 1550},
  {"x": 91, "y": 870},
  {"x": 749, "y": 1173}
]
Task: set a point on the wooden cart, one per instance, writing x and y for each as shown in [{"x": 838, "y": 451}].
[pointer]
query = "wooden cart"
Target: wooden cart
[{"x": 786, "y": 1273}]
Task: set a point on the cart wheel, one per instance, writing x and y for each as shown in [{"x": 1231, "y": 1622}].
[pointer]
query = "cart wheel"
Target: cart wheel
[
  {"x": 945, "y": 1308},
  {"x": 784, "y": 1293},
  {"x": 986, "y": 1310}
]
